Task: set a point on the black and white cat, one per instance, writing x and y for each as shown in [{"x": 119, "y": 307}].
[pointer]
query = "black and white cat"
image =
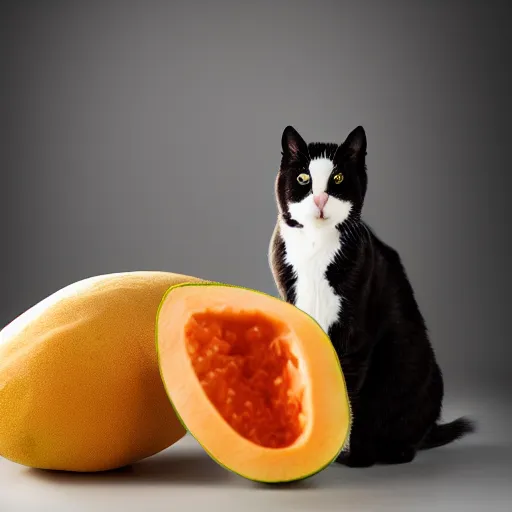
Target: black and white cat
[{"x": 330, "y": 264}]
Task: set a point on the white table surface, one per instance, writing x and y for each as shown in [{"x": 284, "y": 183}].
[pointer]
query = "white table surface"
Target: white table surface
[{"x": 471, "y": 475}]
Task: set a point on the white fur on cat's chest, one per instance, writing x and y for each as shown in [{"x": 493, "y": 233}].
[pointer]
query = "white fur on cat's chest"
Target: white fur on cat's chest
[{"x": 309, "y": 251}]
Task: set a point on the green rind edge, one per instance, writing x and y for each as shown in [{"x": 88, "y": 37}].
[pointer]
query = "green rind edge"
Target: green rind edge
[{"x": 210, "y": 283}]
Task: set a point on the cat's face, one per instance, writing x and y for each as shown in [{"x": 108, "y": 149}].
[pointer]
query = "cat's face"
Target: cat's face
[{"x": 321, "y": 184}]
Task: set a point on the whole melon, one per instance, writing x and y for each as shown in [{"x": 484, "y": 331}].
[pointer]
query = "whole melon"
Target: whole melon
[{"x": 80, "y": 388}]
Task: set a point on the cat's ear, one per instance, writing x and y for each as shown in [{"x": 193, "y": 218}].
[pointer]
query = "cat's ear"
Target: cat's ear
[
  {"x": 354, "y": 146},
  {"x": 294, "y": 146}
]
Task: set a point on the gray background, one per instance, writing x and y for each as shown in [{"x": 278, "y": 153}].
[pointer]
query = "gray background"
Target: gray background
[{"x": 146, "y": 135}]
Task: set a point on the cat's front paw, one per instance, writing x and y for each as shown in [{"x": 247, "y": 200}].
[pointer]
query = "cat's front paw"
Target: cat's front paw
[
  {"x": 397, "y": 455},
  {"x": 363, "y": 460}
]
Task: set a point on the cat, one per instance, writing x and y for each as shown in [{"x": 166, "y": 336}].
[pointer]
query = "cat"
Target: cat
[{"x": 329, "y": 263}]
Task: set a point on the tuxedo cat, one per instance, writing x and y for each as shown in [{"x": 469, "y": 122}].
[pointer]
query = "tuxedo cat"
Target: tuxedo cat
[{"x": 326, "y": 261}]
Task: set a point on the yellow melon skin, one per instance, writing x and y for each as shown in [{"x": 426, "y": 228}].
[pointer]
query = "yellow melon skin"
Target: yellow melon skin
[{"x": 80, "y": 388}]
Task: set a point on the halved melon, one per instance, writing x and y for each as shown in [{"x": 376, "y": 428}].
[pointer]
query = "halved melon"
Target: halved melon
[{"x": 254, "y": 379}]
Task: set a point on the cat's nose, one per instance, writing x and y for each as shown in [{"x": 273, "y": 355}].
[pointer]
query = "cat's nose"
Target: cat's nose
[{"x": 321, "y": 199}]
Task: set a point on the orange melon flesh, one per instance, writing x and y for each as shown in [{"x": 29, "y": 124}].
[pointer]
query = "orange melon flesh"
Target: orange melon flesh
[
  {"x": 254, "y": 379},
  {"x": 247, "y": 371}
]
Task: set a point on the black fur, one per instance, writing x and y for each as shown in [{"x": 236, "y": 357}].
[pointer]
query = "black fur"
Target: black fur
[{"x": 394, "y": 382}]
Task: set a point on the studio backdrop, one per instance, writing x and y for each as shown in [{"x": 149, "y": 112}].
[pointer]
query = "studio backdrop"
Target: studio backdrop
[{"x": 146, "y": 136}]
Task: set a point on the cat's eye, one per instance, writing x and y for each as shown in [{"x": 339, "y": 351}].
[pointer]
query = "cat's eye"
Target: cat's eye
[
  {"x": 303, "y": 178},
  {"x": 338, "y": 178}
]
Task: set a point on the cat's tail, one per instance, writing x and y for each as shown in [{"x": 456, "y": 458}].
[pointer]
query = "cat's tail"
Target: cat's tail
[{"x": 448, "y": 432}]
